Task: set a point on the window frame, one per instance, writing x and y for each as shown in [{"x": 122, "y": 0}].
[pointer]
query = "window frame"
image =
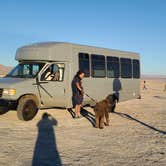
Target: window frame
[
  {"x": 122, "y": 72},
  {"x": 79, "y": 66},
  {"x": 137, "y": 70},
  {"x": 20, "y": 70},
  {"x": 107, "y": 64},
  {"x": 63, "y": 73},
  {"x": 92, "y": 67}
]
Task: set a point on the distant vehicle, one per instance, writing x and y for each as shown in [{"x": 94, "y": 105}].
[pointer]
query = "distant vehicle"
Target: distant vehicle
[{"x": 43, "y": 76}]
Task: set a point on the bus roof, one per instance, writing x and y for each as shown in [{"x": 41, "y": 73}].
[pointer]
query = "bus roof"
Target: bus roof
[{"x": 50, "y": 51}]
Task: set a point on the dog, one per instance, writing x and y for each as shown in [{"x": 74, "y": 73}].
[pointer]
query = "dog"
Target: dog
[
  {"x": 113, "y": 99},
  {"x": 102, "y": 110}
]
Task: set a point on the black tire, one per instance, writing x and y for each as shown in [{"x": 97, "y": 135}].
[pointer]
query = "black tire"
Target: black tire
[
  {"x": 3, "y": 110},
  {"x": 27, "y": 108}
]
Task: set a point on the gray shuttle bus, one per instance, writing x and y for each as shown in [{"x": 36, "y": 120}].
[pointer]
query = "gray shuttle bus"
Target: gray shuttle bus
[{"x": 43, "y": 76}]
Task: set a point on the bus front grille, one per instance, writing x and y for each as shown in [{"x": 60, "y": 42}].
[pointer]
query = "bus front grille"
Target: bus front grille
[{"x": 1, "y": 90}]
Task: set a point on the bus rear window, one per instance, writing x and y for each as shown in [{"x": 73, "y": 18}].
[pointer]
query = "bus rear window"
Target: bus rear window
[{"x": 136, "y": 68}]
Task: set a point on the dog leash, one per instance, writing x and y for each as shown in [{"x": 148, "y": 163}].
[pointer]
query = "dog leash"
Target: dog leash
[{"x": 90, "y": 97}]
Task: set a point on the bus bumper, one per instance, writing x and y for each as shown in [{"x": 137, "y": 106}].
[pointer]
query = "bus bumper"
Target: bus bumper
[{"x": 8, "y": 103}]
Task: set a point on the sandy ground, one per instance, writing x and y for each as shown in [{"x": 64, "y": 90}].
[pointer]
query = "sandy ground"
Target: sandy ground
[{"x": 136, "y": 136}]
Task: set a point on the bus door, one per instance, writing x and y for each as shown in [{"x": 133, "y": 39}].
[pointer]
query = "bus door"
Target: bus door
[{"x": 52, "y": 85}]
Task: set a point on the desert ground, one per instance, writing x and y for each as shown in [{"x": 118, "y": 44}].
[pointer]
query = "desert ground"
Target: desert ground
[{"x": 136, "y": 135}]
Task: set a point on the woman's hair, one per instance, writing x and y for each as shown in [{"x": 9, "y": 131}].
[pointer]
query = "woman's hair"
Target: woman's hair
[{"x": 79, "y": 72}]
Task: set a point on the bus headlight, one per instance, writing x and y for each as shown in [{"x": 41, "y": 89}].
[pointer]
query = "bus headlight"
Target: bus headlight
[{"x": 9, "y": 92}]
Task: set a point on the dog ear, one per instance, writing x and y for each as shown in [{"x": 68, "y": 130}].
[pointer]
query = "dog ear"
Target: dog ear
[
  {"x": 105, "y": 102},
  {"x": 110, "y": 98}
]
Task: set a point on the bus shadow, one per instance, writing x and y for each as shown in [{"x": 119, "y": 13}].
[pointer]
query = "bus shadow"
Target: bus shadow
[
  {"x": 123, "y": 115},
  {"x": 160, "y": 97},
  {"x": 45, "y": 151},
  {"x": 89, "y": 116}
]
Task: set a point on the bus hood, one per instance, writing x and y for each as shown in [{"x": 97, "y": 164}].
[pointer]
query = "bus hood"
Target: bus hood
[{"x": 9, "y": 82}]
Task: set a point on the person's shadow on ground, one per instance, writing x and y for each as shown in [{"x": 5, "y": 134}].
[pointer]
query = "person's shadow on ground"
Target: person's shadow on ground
[
  {"x": 86, "y": 114},
  {"x": 45, "y": 151},
  {"x": 89, "y": 116}
]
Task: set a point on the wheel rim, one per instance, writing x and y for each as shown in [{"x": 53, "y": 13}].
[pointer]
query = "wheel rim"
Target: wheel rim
[{"x": 29, "y": 110}]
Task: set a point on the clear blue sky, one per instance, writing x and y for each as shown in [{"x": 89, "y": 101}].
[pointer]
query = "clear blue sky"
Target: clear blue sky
[{"x": 130, "y": 25}]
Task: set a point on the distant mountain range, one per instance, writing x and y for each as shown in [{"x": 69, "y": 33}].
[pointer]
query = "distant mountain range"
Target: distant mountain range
[
  {"x": 4, "y": 69},
  {"x": 145, "y": 76}
]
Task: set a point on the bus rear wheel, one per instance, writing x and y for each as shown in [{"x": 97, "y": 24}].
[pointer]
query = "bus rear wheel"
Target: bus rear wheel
[{"x": 27, "y": 108}]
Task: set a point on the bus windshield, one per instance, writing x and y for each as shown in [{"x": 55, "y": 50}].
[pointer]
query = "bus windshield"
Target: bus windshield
[{"x": 26, "y": 70}]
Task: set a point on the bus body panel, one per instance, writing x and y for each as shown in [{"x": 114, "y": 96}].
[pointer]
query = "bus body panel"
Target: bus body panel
[
  {"x": 99, "y": 88},
  {"x": 59, "y": 94}
]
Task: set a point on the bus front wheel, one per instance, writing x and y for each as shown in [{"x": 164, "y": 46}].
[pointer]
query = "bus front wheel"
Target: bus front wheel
[
  {"x": 3, "y": 110},
  {"x": 27, "y": 107}
]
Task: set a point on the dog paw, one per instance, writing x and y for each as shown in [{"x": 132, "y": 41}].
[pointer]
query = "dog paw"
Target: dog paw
[{"x": 101, "y": 127}]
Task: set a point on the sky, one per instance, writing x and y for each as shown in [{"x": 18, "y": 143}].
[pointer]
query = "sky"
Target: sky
[{"x": 128, "y": 25}]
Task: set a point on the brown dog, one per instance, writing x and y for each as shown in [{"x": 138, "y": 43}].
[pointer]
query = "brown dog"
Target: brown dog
[{"x": 102, "y": 110}]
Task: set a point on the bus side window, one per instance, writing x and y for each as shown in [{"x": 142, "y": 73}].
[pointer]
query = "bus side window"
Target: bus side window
[
  {"x": 61, "y": 67},
  {"x": 112, "y": 67},
  {"x": 55, "y": 72},
  {"x": 126, "y": 68},
  {"x": 46, "y": 75},
  {"x": 84, "y": 63},
  {"x": 98, "y": 66}
]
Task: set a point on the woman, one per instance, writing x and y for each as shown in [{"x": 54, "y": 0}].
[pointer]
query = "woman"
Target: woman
[{"x": 77, "y": 92}]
